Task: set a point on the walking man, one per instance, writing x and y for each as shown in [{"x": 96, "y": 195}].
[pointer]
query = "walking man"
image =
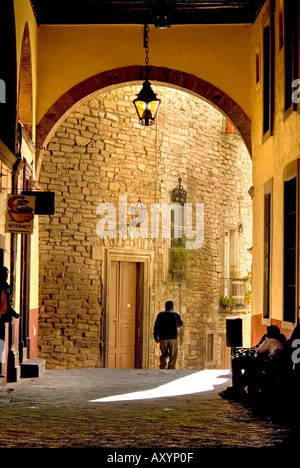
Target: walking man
[{"x": 166, "y": 334}]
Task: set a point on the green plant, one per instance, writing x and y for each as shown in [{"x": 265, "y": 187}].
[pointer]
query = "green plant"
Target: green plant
[
  {"x": 248, "y": 296},
  {"x": 178, "y": 263},
  {"x": 226, "y": 302},
  {"x": 247, "y": 280}
]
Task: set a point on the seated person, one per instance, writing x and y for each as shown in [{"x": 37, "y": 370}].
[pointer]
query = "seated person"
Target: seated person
[
  {"x": 246, "y": 370},
  {"x": 272, "y": 343},
  {"x": 275, "y": 360},
  {"x": 242, "y": 367}
]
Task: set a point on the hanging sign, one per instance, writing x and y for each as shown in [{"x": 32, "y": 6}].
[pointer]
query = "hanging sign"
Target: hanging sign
[{"x": 20, "y": 214}]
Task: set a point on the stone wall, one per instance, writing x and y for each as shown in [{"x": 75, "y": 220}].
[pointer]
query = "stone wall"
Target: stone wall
[{"x": 101, "y": 152}]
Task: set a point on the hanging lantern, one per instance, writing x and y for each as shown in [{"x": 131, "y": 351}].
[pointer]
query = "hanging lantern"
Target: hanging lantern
[{"x": 146, "y": 103}]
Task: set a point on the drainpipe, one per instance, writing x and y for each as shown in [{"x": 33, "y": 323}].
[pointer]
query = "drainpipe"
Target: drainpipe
[
  {"x": 13, "y": 364},
  {"x": 14, "y": 184},
  {"x": 13, "y": 246}
]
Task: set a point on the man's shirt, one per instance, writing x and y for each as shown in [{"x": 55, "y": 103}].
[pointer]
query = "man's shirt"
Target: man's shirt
[{"x": 166, "y": 325}]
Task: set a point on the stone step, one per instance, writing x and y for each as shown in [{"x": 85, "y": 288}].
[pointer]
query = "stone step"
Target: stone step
[{"x": 33, "y": 368}]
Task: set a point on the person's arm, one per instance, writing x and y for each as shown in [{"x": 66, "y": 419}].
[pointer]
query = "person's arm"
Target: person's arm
[
  {"x": 156, "y": 330},
  {"x": 11, "y": 311},
  {"x": 179, "y": 321},
  {"x": 262, "y": 349}
]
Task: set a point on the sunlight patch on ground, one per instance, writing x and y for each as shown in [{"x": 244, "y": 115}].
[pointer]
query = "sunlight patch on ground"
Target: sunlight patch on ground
[{"x": 202, "y": 381}]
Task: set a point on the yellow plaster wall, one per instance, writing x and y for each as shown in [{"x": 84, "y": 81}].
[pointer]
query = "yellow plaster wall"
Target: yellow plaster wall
[
  {"x": 34, "y": 274},
  {"x": 68, "y": 55},
  {"x": 23, "y": 15},
  {"x": 269, "y": 160}
]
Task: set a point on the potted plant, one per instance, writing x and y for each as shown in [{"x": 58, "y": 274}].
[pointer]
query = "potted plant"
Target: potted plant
[
  {"x": 226, "y": 302},
  {"x": 247, "y": 284},
  {"x": 248, "y": 296}
]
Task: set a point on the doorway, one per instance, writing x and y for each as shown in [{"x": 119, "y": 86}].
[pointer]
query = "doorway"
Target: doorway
[{"x": 125, "y": 315}]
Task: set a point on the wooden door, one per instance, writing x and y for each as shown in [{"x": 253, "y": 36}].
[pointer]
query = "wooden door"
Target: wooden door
[
  {"x": 226, "y": 355},
  {"x": 122, "y": 315}
]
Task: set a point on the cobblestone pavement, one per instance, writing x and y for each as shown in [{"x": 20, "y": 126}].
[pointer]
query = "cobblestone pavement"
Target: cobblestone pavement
[{"x": 65, "y": 409}]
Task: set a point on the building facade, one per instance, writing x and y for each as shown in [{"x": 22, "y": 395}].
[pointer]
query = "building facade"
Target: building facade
[
  {"x": 275, "y": 143},
  {"x": 102, "y": 280},
  {"x": 18, "y": 251},
  {"x": 247, "y": 69}
]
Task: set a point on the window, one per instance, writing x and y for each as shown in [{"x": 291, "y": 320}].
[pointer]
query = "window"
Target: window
[
  {"x": 291, "y": 18},
  {"x": 268, "y": 76},
  {"x": 226, "y": 262},
  {"x": 177, "y": 228},
  {"x": 290, "y": 248},
  {"x": 209, "y": 347},
  {"x": 227, "y": 127},
  {"x": 178, "y": 254},
  {"x": 229, "y": 260},
  {"x": 267, "y": 249}
]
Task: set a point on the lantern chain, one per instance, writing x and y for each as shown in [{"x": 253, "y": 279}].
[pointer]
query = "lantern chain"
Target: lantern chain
[{"x": 146, "y": 44}]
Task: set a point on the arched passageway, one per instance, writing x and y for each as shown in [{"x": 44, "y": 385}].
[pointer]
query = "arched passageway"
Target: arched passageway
[
  {"x": 98, "y": 153},
  {"x": 132, "y": 75}
]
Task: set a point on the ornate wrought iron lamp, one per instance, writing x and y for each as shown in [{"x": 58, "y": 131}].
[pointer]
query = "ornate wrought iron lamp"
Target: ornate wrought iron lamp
[
  {"x": 179, "y": 194},
  {"x": 146, "y": 103},
  {"x": 142, "y": 211}
]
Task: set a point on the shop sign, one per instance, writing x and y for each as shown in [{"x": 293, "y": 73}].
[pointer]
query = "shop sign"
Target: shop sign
[{"x": 20, "y": 214}]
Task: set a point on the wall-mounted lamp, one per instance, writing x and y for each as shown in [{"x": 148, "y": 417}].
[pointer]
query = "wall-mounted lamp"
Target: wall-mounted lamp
[
  {"x": 146, "y": 103},
  {"x": 179, "y": 194}
]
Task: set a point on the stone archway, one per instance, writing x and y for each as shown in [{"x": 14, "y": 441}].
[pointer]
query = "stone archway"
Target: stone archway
[
  {"x": 98, "y": 153},
  {"x": 133, "y": 75}
]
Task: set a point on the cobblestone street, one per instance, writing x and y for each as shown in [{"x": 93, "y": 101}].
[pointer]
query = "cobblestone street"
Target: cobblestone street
[{"x": 66, "y": 409}]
